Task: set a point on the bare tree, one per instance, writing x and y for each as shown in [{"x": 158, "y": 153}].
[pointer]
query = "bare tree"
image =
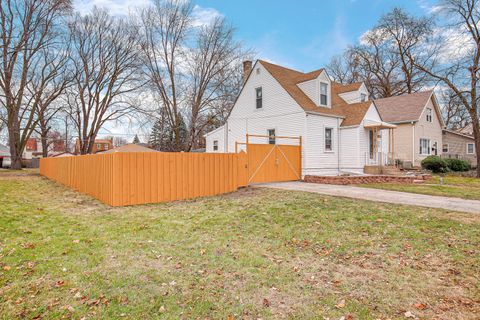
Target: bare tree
[
  {"x": 460, "y": 72},
  {"x": 454, "y": 113},
  {"x": 105, "y": 61},
  {"x": 378, "y": 66},
  {"x": 344, "y": 68},
  {"x": 211, "y": 64},
  {"x": 29, "y": 32},
  {"x": 404, "y": 33},
  {"x": 190, "y": 69},
  {"x": 51, "y": 80},
  {"x": 165, "y": 28}
]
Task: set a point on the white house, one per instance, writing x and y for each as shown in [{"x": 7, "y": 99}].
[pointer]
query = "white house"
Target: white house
[{"x": 341, "y": 130}]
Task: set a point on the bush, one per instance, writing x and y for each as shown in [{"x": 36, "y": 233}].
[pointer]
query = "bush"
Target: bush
[
  {"x": 435, "y": 164},
  {"x": 458, "y": 165}
]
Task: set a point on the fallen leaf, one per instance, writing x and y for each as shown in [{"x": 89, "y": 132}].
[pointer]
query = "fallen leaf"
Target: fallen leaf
[
  {"x": 341, "y": 304},
  {"x": 7, "y": 268},
  {"x": 59, "y": 283},
  {"x": 76, "y": 241},
  {"x": 266, "y": 303},
  {"x": 420, "y": 306},
  {"x": 162, "y": 309},
  {"x": 409, "y": 314},
  {"x": 230, "y": 317}
]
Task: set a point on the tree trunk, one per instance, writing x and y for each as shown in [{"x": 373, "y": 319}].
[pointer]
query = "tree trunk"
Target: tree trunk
[
  {"x": 476, "y": 135},
  {"x": 15, "y": 153}
]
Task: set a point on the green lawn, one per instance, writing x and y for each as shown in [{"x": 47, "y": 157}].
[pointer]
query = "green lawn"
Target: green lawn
[
  {"x": 256, "y": 253},
  {"x": 453, "y": 186}
]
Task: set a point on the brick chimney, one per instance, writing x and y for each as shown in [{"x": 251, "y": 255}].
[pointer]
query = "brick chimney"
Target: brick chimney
[{"x": 247, "y": 68}]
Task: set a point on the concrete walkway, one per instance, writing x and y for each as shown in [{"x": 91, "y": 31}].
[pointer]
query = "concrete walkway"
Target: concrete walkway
[{"x": 454, "y": 204}]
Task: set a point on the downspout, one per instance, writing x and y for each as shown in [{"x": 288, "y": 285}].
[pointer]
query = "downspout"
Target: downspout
[
  {"x": 413, "y": 143},
  {"x": 225, "y": 138},
  {"x": 338, "y": 146}
]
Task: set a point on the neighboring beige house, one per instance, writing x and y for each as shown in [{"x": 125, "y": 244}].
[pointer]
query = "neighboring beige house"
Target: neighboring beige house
[
  {"x": 419, "y": 125},
  {"x": 459, "y": 146}
]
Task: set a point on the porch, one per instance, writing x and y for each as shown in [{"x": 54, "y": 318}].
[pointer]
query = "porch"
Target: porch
[{"x": 377, "y": 159}]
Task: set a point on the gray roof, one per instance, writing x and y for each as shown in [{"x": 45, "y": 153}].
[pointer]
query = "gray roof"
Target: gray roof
[{"x": 407, "y": 107}]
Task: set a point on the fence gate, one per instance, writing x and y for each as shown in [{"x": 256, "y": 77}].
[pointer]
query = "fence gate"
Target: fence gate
[{"x": 273, "y": 162}]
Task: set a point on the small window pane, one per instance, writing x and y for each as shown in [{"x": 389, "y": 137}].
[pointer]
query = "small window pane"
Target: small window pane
[
  {"x": 363, "y": 97},
  {"x": 429, "y": 114},
  {"x": 445, "y": 148},
  {"x": 215, "y": 145},
  {"x": 258, "y": 93},
  {"x": 271, "y": 136},
  {"x": 328, "y": 139},
  {"x": 470, "y": 148},
  {"x": 323, "y": 94}
]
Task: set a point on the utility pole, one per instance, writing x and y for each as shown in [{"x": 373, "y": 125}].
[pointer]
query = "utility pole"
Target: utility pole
[{"x": 66, "y": 134}]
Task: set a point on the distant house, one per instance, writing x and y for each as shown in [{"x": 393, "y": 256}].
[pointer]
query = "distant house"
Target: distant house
[
  {"x": 131, "y": 147},
  {"x": 419, "y": 125},
  {"x": 458, "y": 145},
  {"x": 100, "y": 145},
  {"x": 33, "y": 148},
  {"x": 4, "y": 156}
]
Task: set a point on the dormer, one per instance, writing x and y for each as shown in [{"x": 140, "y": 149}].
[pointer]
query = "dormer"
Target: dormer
[
  {"x": 353, "y": 93},
  {"x": 318, "y": 89}
]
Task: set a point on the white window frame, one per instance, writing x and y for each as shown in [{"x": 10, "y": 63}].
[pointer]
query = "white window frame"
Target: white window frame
[
  {"x": 325, "y": 139},
  {"x": 428, "y": 147},
  {"x": 429, "y": 115},
  {"x": 326, "y": 94},
  {"x": 473, "y": 147},
  {"x": 257, "y": 98},
  {"x": 215, "y": 145},
  {"x": 443, "y": 148},
  {"x": 270, "y": 140}
]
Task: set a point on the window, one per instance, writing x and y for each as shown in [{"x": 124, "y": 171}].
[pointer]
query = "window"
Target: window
[
  {"x": 328, "y": 139},
  {"x": 429, "y": 114},
  {"x": 258, "y": 93},
  {"x": 215, "y": 145},
  {"x": 323, "y": 94},
  {"x": 470, "y": 148},
  {"x": 425, "y": 146},
  {"x": 445, "y": 148},
  {"x": 363, "y": 97},
  {"x": 258, "y": 70},
  {"x": 271, "y": 136},
  {"x": 105, "y": 146},
  {"x": 99, "y": 146}
]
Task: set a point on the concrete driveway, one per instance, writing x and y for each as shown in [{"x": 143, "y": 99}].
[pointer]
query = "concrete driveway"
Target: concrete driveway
[{"x": 454, "y": 204}]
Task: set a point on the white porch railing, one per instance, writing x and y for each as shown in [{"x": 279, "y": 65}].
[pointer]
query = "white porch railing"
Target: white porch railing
[{"x": 379, "y": 159}]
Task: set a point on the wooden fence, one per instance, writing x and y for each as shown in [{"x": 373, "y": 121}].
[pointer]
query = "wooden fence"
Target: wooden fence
[{"x": 121, "y": 179}]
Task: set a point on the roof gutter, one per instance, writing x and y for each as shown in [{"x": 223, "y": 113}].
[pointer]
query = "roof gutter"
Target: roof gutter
[{"x": 324, "y": 114}]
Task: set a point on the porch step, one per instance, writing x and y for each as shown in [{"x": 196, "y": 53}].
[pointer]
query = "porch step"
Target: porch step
[{"x": 391, "y": 170}]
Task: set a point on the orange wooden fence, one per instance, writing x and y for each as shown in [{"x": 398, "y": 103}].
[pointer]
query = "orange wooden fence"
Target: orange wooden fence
[{"x": 121, "y": 179}]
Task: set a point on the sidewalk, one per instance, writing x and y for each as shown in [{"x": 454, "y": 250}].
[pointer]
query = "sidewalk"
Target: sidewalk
[{"x": 453, "y": 204}]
